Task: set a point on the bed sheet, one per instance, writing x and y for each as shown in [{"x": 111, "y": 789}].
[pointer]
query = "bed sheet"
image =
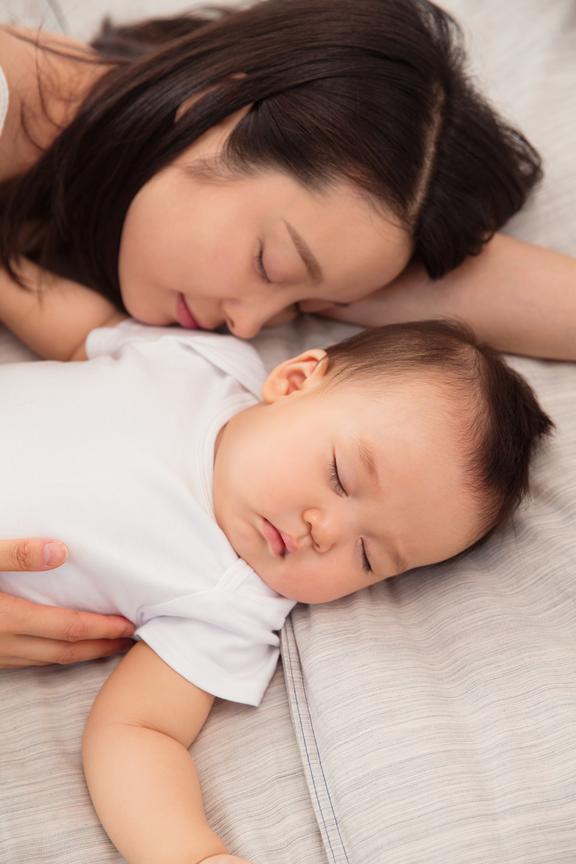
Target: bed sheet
[
  {"x": 430, "y": 718},
  {"x": 435, "y": 713}
]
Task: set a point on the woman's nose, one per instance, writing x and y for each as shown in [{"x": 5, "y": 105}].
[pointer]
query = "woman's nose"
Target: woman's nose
[
  {"x": 247, "y": 319},
  {"x": 322, "y": 527},
  {"x": 243, "y": 325}
]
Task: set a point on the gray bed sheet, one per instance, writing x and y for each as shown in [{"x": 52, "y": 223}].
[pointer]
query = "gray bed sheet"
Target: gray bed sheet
[
  {"x": 254, "y": 789},
  {"x": 431, "y": 718}
]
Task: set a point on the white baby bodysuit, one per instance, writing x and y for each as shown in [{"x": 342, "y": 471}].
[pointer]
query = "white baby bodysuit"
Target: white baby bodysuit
[{"x": 115, "y": 457}]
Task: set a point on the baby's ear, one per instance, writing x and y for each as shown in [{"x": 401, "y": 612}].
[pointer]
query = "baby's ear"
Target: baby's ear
[{"x": 303, "y": 372}]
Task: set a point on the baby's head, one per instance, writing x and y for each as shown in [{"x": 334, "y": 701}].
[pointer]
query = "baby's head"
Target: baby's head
[{"x": 400, "y": 447}]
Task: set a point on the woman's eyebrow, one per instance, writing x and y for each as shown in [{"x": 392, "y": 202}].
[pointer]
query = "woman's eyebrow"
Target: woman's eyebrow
[{"x": 310, "y": 262}]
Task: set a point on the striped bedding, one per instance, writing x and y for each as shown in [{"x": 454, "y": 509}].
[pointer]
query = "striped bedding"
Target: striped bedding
[{"x": 431, "y": 718}]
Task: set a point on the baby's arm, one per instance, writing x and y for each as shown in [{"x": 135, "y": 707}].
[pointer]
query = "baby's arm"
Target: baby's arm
[
  {"x": 56, "y": 315},
  {"x": 140, "y": 774}
]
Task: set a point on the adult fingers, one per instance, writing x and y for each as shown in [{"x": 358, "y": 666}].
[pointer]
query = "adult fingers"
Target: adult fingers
[
  {"x": 54, "y": 622},
  {"x": 57, "y": 635},
  {"x": 31, "y": 554},
  {"x": 27, "y": 651}
]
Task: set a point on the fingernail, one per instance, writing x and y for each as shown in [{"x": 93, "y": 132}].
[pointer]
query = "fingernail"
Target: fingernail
[
  {"x": 53, "y": 553},
  {"x": 127, "y": 629}
]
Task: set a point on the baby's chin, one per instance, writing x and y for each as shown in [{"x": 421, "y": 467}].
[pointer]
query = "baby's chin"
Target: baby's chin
[{"x": 274, "y": 575}]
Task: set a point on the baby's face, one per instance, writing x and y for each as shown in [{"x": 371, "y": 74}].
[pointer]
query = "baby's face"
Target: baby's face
[{"x": 326, "y": 490}]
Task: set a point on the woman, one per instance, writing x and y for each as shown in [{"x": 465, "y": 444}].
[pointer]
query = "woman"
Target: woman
[{"x": 298, "y": 156}]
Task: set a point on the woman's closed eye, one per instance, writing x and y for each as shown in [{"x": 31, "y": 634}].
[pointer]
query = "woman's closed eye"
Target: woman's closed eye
[{"x": 261, "y": 267}]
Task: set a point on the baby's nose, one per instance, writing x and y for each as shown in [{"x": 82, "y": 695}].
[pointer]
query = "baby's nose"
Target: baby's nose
[{"x": 322, "y": 529}]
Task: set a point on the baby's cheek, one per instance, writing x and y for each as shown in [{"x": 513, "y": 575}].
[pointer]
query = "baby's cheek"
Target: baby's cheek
[{"x": 306, "y": 584}]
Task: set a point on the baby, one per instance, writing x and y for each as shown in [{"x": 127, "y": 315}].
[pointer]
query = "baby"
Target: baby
[{"x": 202, "y": 498}]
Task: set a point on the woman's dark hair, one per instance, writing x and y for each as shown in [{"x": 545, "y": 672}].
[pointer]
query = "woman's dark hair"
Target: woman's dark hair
[
  {"x": 370, "y": 91},
  {"x": 500, "y": 420}
]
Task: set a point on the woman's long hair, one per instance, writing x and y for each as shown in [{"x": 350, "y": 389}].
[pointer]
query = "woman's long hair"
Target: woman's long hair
[{"x": 370, "y": 91}]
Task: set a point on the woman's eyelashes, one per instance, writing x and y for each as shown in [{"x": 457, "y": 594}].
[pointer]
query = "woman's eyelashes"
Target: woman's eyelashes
[
  {"x": 288, "y": 275},
  {"x": 261, "y": 267}
]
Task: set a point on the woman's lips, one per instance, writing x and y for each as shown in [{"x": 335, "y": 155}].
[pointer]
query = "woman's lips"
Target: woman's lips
[
  {"x": 274, "y": 538},
  {"x": 185, "y": 317}
]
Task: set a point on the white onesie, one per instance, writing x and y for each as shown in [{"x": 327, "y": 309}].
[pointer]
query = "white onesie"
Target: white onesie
[{"x": 115, "y": 458}]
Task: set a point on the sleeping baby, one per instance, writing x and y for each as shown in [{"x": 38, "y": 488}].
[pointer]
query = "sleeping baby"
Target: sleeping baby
[{"x": 202, "y": 498}]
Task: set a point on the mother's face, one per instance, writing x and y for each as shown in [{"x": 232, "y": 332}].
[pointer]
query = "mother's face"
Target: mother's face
[{"x": 205, "y": 252}]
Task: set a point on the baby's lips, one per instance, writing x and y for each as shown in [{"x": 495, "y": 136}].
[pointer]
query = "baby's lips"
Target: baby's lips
[{"x": 289, "y": 542}]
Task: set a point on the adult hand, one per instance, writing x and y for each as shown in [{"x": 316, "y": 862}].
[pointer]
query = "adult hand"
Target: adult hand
[{"x": 35, "y": 635}]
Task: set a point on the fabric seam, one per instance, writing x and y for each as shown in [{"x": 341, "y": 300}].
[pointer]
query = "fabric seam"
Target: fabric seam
[{"x": 299, "y": 701}]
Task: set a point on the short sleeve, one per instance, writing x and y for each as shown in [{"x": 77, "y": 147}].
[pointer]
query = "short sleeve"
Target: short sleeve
[
  {"x": 224, "y": 640},
  {"x": 109, "y": 340},
  {"x": 234, "y": 357}
]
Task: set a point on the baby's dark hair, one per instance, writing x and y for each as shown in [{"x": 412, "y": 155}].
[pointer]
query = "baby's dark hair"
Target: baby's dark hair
[{"x": 504, "y": 422}]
